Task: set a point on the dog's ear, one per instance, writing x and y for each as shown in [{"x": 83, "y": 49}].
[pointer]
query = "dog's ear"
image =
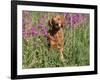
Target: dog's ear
[
  {"x": 50, "y": 22},
  {"x": 62, "y": 22}
]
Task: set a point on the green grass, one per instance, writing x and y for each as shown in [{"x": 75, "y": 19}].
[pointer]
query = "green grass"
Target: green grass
[{"x": 76, "y": 49}]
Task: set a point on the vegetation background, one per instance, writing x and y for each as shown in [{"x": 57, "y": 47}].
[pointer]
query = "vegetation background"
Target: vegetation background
[{"x": 35, "y": 48}]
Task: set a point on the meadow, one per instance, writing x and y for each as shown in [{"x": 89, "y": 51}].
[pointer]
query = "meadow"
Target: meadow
[{"x": 35, "y": 53}]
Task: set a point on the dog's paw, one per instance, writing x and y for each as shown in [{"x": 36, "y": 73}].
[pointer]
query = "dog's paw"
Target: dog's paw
[{"x": 62, "y": 58}]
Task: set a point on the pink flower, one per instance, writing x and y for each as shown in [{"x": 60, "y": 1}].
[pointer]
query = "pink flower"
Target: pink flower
[{"x": 34, "y": 31}]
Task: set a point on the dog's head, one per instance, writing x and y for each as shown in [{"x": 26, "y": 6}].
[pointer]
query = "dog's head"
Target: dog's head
[{"x": 56, "y": 22}]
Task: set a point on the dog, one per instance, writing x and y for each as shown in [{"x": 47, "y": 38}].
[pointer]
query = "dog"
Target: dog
[{"x": 56, "y": 34}]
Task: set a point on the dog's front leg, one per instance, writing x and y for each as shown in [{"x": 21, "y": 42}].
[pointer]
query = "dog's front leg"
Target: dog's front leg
[
  {"x": 61, "y": 54},
  {"x": 62, "y": 49},
  {"x": 51, "y": 37}
]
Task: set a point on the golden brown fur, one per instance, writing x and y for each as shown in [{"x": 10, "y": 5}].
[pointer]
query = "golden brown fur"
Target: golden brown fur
[{"x": 56, "y": 34}]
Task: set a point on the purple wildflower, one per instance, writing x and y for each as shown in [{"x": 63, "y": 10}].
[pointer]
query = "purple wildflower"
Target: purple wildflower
[
  {"x": 74, "y": 19},
  {"x": 26, "y": 34},
  {"x": 34, "y": 31}
]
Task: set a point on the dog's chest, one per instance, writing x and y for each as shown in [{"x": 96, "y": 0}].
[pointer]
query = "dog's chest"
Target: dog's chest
[
  {"x": 59, "y": 38},
  {"x": 59, "y": 34}
]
